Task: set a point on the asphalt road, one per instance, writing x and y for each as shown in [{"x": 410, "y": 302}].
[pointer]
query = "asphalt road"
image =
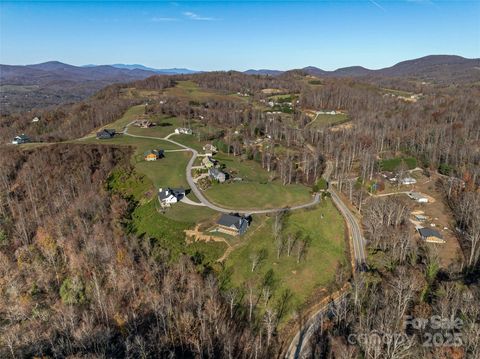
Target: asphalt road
[
  {"x": 199, "y": 194},
  {"x": 298, "y": 347}
]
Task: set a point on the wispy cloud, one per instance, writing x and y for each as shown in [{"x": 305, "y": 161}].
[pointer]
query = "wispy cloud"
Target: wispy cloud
[
  {"x": 378, "y": 5},
  {"x": 192, "y": 16},
  {"x": 162, "y": 19}
]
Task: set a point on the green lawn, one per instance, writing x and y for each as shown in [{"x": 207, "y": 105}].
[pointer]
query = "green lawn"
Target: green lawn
[
  {"x": 317, "y": 269},
  {"x": 165, "y": 126},
  {"x": 328, "y": 120},
  {"x": 130, "y": 115},
  {"x": 255, "y": 195},
  {"x": 392, "y": 164}
]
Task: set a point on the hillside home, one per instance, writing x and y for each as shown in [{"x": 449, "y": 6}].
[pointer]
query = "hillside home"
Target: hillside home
[
  {"x": 18, "y": 140},
  {"x": 183, "y": 130},
  {"x": 418, "y": 197},
  {"x": 408, "y": 181},
  {"x": 153, "y": 155},
  {"x": 430, "y": 235},
  {"x": 168, "y": 196},
  {"x": 209, "y": 149},
  {"x": 217, "y": 175},
  {"x": 232, "y": 224},
  {"x": 35, "y": 119},
  {"x": 105, "y": 134},
  {"x": 144, "y": 123},
  {"x": 209, "y": 162}
]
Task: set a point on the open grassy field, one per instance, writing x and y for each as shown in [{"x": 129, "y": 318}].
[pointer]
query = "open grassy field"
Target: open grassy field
[
  {"x": 328, "y": 120},
  {"x": 255, "y": 195},
  {"x": 255, "y": 190},
  {"x": 165, "y": 126},
  {"x": 191, "y": 91},
  {"x": 323, "y": 225},
  {"x": 392, "y": 164}
]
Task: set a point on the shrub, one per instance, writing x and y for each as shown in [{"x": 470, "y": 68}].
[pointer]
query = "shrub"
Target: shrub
[{"x": 72, "y": 291}]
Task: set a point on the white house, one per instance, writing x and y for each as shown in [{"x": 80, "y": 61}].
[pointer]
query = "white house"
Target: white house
[
  {"x": 20, "y": 139},
  {"x": 168, "y": 196},
  {"x": 418, "y": 197},
  {"x": 408, "y": 180},
  {"x": 183, "y": 130},
  {"x": 35, "y": 119}
]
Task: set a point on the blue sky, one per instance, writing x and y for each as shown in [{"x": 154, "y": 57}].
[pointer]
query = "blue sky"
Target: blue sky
[{"x": 237, "y": 34}]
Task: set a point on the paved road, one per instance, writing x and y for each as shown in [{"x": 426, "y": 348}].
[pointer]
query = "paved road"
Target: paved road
[
  {"x": 298, "y": 347},
  {"x": 199, "y": 194}
]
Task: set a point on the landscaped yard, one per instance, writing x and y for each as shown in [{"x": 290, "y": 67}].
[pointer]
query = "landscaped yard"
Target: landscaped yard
[{"x": 316, "y": 269}]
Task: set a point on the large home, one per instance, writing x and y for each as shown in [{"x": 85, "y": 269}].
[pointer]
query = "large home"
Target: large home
[
  {"x": 418, "y": 197},
  {"x": 168, "y": 196},
  {"x": 430, "y": 235},
  {"x": 105, "y": 134},
  {"x": 217, "y": 175},
  {"x": 209, "y": 149},
  {"x": 18, "y": 140},
  {"x": 153, "y": 155},
  {"x": 35, "y": 119},
  {"x": 209, "y": 162},
  {"x": 232, "y": 224},
  {"x": 183, "y": 130}
]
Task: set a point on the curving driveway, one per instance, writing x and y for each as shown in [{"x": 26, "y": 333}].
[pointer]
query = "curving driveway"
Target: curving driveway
[
  {"x": 199, "y": 194},
  {"x": 299, "y": 344}
]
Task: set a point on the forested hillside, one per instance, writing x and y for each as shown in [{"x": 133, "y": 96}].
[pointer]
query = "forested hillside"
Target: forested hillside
[{"x": 74, "y": 283}]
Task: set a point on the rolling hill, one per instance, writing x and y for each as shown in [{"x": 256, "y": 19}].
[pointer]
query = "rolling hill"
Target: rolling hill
[{"x": 434, "y": 68}]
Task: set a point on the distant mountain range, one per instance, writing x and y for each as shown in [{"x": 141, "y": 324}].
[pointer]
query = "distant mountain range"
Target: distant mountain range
[
  {"x": 436, "y": 68},
  {"x": 51, "y": 83},
  {"x": 173, "y": 71}
]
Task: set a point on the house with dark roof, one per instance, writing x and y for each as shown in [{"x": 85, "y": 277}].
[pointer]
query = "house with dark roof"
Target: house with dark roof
[
  {"x": 217, "y": 175},
  {"x": 153, "y": 155},
  {"x": 430, "y": 235},
  {"x": 18, "y": 140},
  {"x": 232, "y": 224},
  {"x": 105, "y": 134},
  {"x": 168, "y": 196}
]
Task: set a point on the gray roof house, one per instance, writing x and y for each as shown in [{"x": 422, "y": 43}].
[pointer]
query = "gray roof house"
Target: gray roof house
[
  {"x": 217, "y": 175},
  {"x": 105, "y": 134},
  {"x": 232, "y": 224},
  {"x": 430, "y": 235}
]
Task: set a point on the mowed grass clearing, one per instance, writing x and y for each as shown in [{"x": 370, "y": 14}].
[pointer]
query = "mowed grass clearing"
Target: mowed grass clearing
[
  {"x": 255, "y": 191},
  {"x": 317, "y": 269},
  {"x": 328, "y": 120},
  {"x": 191, "y": 91}
]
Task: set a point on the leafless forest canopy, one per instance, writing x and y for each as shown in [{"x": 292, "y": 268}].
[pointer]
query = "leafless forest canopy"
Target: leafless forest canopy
[{"x": 75, "y": 283}]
